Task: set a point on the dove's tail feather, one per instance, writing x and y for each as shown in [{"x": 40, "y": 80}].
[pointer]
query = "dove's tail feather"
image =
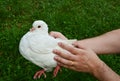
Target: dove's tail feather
[{"x": 71, "y": 41}]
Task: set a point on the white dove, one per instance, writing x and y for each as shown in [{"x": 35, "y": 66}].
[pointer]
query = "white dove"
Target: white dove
[{"x": 37, "y": 46}]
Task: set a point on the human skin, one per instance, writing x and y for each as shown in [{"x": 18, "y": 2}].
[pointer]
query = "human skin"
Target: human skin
[
  {"x": 82, "y": 55},
  {"x": 107, "y": 43}
]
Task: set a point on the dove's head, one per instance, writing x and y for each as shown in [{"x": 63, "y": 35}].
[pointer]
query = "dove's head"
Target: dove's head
[{"x": 39, "y": 25}]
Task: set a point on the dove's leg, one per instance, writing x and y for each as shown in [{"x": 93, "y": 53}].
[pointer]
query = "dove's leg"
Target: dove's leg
[
  {"x": 39, "y": 73},
  {"x": 57, "y": 68}
]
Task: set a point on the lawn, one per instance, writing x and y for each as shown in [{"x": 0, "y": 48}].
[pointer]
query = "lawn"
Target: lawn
[{"x": 74, "y": 18}]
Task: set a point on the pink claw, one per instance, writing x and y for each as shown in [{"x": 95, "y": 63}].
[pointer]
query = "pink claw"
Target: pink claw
[
  {"x": 38, "y": 74},
  {"x": 57, "y": 68}
]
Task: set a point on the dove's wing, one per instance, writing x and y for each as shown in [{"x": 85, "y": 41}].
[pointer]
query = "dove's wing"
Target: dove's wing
[
  {"x": 38, "y": 49},
  {"x": 42, "y": 44}
]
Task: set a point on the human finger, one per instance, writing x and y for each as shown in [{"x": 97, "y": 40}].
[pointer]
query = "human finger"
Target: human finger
[
  {"x": 67, "y": 66},
  {"x": 57, "y": 35},
  {"x": 70, "y": 48},
  {"x": 63, "y": 61},
  {"x": 64, "y": 54},
  {"x": 53, "y": 34}
]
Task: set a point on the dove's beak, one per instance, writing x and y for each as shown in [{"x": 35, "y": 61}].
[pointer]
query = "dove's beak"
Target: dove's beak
[{"x": 32, "y": 29}]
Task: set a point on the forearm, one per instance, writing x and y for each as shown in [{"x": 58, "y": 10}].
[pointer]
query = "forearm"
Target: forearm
[
  {"x": 106, "y": 43},
  {"x": 104, "y": 73}
]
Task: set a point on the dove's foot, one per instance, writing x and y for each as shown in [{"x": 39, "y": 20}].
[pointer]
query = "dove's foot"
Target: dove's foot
[
  {"x": 57, "y": 68},
  {"x": 39, "y": 74}
]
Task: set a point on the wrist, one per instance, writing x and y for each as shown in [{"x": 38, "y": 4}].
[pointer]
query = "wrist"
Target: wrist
[
  {"x": 98, "y": 68},
  {"x": 103, "y": 73}
]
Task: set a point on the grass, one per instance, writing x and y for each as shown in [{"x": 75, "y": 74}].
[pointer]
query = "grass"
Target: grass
[{"x": 74, "y": 18}]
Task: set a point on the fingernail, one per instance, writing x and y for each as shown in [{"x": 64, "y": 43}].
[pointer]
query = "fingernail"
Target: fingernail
[
  {"x": 55, "y": 57},
  {"x": 54, "y": 51},
  {"x": 60, "y": 43}
]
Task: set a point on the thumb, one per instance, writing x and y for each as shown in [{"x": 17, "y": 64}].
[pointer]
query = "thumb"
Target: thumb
[
  {"x": 57, "y": 35},
  {"x": 53, "y": 34}
]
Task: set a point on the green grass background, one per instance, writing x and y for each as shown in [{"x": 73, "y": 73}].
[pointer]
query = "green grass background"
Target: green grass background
[{"x": 74, "y": 18}]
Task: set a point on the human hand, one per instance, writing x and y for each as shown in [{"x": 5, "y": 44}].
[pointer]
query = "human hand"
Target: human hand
[
  {"x": 78, "y": 59},
  {"x": 57, "y": 35}
]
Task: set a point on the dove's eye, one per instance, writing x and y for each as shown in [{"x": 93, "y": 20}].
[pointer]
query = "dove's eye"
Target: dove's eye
[{"x": 39, "y": 26}]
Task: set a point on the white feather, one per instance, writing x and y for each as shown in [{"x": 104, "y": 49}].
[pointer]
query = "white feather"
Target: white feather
[{"x": 37, "y": 46}]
